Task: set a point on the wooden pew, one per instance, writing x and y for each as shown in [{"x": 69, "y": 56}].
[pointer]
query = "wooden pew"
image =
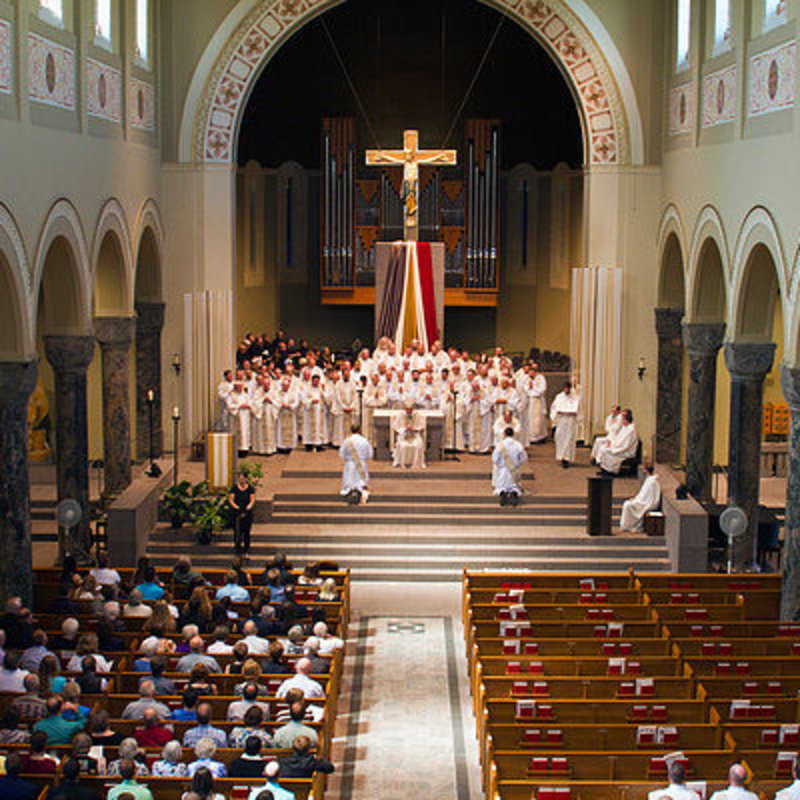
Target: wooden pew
[
  {"x": 695, "y": 647},
  {"x": 746, "y": 666},
  {"x": 566, "y": 666},
  {"x": 595, "y": 688},
  {"x": 580, "y": 648}
]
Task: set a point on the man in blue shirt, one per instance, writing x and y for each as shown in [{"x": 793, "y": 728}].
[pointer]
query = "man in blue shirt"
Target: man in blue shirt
[
  {"x": 237, "y": 594},
  {"x": 151, "y": 590},
  {"x": 188, "y": 711},
  {"x": 204, "y": 729}
]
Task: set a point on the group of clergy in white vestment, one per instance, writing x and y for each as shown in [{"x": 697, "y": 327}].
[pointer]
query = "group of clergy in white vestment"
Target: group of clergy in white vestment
[{"x": 272, "y": 409}]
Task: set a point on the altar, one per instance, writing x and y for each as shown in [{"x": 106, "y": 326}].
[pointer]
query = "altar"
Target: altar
[{"x": 432, "y": 436}]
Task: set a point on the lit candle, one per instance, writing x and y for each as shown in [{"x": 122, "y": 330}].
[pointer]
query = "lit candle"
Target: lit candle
[
  {"x": 151, "y": 396},
  {"x": 176, "y": 412}
]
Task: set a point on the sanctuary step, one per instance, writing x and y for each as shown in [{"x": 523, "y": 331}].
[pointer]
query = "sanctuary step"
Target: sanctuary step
[{"x": 426, "y": 525}]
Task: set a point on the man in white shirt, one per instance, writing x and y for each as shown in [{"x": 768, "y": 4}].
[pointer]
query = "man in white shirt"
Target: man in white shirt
[
  {"x": 737, "y": 776},
  {"x": 677, "y": 789},
  {"x": 791, "y": 792},
  {"x": 620, "y": 447},
  {"x": 327, "y": 641},
  {"x": 612, "y": 427},
  {"x": 300, "y": 680},
  {"x": 256, "y": 645}
]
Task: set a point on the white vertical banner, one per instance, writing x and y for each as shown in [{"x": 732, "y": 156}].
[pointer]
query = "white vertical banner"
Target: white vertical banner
[
  {"x": 595, "y": 330},
  {"x": 208, "y": 350}
]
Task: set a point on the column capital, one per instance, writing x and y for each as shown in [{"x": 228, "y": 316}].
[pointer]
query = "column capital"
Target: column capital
[
  {"x": 790, "y": 386},
  {"x": 114, "y": 331},
  {"x": 749, "y": 361},
  {"x": 668, "y": 322},
  {"x": 18, "y": 379},
  {"x": 69, "y": 354},
  {"x": 703, "y": 338},
  {"x": 149, "y": 317}
]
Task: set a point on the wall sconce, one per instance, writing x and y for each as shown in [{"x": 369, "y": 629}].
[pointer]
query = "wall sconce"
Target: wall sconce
[
  {"x": 176, "y": 363},
  {"x": 641, "y": 369}
]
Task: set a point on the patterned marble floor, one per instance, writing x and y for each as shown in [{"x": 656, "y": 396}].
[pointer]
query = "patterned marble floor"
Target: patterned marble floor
[{"x": 406, "y": 727}]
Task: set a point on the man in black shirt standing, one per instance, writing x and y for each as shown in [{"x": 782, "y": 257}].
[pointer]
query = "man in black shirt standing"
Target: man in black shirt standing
[{"x": 242, "y": 499}]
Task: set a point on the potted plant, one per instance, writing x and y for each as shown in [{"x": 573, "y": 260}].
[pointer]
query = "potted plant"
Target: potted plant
[
  {"x": 177, "y": 503},
  {"x": 207, "y": 513}
]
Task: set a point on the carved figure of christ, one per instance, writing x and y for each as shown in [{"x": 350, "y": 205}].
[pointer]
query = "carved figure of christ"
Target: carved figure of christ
[{"x": 410, "y": 158}]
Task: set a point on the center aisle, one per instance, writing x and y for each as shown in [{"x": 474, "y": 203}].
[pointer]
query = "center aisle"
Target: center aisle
[{"x": 405, "y": 727}]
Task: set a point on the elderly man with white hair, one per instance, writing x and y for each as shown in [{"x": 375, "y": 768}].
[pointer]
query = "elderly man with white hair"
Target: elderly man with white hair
[
  {"x": 171, "y": 763},
  {"x": 327, "y": 641},
  {"x": 300, "y": 680},
  {"x": 128, "y": 749},
  {"x": 136, "y": 708},
  {"x": 135, "y": 607},
  {"x": 205, "y": 750},
  {"x": 319, "y": 665},
  {"x": 67, "y": 641},
  {"x": 197, "y": 656},
  {"x": 256, "y": 645}
]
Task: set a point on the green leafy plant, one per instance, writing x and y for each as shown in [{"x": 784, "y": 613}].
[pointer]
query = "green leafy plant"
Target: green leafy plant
[
  {"x": 177, "y": 503},
  {"x": 208, "y": 512},
  {"x": 253, "y": 471}
]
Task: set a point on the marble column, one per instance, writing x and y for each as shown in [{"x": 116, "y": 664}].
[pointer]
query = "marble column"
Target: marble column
[
  {"x": 748, "y": 364},
  {"x": 703, "y": 341},
  {"x": 670, "y": 385},
  {"x": 17, "y": 381},
  {"x": 149, "y": 322},
  {"x": 115, "y": 335},
  {"x": 790, "y": 555},
  {"x": 70, "y": 357}
]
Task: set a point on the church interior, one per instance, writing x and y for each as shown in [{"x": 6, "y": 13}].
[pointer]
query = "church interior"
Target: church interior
[{"x": 546, "y": 209}]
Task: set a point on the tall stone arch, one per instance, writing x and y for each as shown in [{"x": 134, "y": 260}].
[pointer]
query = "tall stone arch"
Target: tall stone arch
[{"x": 568, "y": 29}]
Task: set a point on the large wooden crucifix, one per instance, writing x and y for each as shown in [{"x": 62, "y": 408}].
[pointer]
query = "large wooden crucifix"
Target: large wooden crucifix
[{"x": 410, "y": 158}]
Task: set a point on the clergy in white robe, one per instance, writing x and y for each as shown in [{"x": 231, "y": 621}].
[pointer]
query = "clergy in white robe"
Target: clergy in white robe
[
  {"x": 374, "y": 398},
  {"x": 536, "y": 394},
  {"x": 315, "y": 429},
  {"x": 507, "y": 460},
  {"x": 477, "y": 417},
  {"x": 409, "y": 445},
  {"x": 344, "y": 408},
  {"x": 286, "y": 401},
  {"x": 224, "y": 388},
  {"x": 450, "y": 404},
  {"x": 647, "y": 499},
  {"x": 612, "y": 427},
  {"x": 355, "y": 452},
  {"x": 239, "y": 410},
  {"x": 508, "y": 420},
  {"x": 263, "y": 418},
  {"x": 427, "y": 393},
  {"x": 622, "y": 446},
  {"x": 564, "y": 415}
]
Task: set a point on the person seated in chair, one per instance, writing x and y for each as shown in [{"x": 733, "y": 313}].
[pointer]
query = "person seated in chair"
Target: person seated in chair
[{"x": 619, "y": 447}]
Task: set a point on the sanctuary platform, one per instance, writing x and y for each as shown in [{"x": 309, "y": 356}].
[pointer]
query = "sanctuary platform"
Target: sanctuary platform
[{"x": 427, "y": 524}]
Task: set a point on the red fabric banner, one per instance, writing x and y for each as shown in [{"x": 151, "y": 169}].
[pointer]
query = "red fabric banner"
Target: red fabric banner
[{"x": 425, "y": 264}]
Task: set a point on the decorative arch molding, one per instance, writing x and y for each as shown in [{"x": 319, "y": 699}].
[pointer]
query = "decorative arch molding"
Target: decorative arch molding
[
  {"x": 149, "y": 216},
  {"x": 63, "y": 220},
  {"x": 708, "y": 226},
  {"x": 758, "y": 228},
  {"x": 791, "y": 317},
  {"x": 112, "y": 220},
  {"x": 255, "y": 30},
  {"x": 12, "y": 247},
  {"x": 672, "y": 225}
]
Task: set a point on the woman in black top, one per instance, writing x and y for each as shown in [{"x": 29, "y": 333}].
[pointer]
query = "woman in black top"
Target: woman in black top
[{"x": 242, "y": 499}]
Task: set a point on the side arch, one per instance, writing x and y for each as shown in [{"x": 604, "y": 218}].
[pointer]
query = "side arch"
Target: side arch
[
  {"x": 63, "y": 222},
  {"x": 149, "y": 240},
  {"x": 255, "y": 30},
  {"x": 708, "y": 232},
  {"x": 672, "y": 259},
  {"x": 16, "y": 332},
  {"x": 758, "y": 231},
  {"x": 112, "y": 221}
]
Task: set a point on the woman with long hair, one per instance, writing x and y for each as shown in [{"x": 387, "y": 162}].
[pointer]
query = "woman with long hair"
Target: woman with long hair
[
  {"x": 197, "y": 610},
  {"x": 203, "y": 786},
  {"x": 160, "y": 619}
]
